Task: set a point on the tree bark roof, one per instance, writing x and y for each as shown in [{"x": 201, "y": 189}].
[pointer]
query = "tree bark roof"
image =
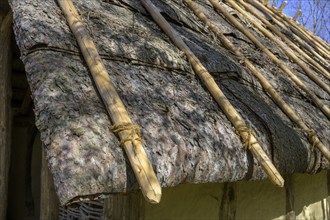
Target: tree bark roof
[{"x": 186, "y": 135}]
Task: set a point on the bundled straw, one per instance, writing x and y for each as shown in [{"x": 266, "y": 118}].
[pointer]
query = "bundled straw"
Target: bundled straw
[
  {"x": 128, "y": 133},
  {"x": 247, "y": 135},
  {"x": 286, "y": 70},
  {"x": 314, "y": 140},
  {"x": 268, "y": 34}
]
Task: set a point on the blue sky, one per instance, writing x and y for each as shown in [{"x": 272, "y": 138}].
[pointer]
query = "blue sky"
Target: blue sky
[{"x": 292, "y": 7}]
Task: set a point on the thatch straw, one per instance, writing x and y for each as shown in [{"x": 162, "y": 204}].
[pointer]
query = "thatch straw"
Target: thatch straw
[
  {"x": 247, "y": 135},
  {"x": 268, "y": 34},
  {"x": 278, "y": 21},
  {"x": 297, "y": 30},
  {"x": 314, "y": 140},
  {"x": 128, "y": 133},
  {"x": 289, "y": 73}
]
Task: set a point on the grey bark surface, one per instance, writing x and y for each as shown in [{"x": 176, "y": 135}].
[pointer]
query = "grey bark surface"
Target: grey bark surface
[
  {"x": 5, "y": 113},
  {"x": 190, "y": 140}
]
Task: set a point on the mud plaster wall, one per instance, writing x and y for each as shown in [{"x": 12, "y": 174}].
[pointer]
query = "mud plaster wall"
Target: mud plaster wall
[{"x": 255, "y": 200}]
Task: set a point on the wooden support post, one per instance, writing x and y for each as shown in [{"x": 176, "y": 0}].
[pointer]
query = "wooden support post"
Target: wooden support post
[
  {"x": 128, "y": 133},
  {"x": 298, "y": 13},
  {"x": 247, "y": 136},
  {"x": 289, "y": 199},
  {"x": 228, "y": 202},
  {"x": 283, "y": 6},
  {"x": 5, "y": 106},
  {"x": 123, "y": 206},
  {"x": 327, "y": 209},
  {"x": 49, "y": 203}
]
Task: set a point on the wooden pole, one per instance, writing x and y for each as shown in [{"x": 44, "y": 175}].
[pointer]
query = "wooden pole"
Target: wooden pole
[
  {"x": 297, "y": 38},
  {"x": 273, "y": 30},
  {"x": 289, "y": 199},
  {"x": 282, "y": 6},
  {"x": 277, "y": 61},
  {"x": 298, "y": 13},
  {"x": 247, "y": 135},
  {"x": 266, "y": 2},
  {"x": 5, "y": 106},
  {"x": 300, "y": 32},
  {"x": 310, "y": 133},
  {"x": 128, "y": 133},
  {"x": 228, "y": 206},
  {"x": 49, "y": 203}
]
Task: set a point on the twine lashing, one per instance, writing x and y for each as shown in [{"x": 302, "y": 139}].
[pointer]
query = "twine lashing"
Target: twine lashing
[
  {"x": 246, "y": 141},
  {"x": 135, "y": 132}
]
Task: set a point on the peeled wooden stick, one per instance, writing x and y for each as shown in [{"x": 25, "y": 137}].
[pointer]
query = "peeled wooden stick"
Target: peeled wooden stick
[
  {"x": 127, "y": 132},
  {"x": 283, "y": 46},
  {"x": 298, "y": 30},
  {"x": 247, "y": 136},
  {"x": 283, "y": 6},
  {"x": 278, "y": 20},
  {"x": 298, "y": 13},
  {"x": 285, "y": 69},
  {"x": 314, "y": 140}
]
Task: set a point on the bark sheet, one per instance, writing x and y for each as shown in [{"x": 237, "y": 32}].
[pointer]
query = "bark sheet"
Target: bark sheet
[{"x": 186, "y": 135}]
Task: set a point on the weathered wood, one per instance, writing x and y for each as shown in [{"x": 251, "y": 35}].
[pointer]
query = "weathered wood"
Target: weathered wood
[
  {"x": 297, "y": 30},
  {"x": 5, "y": 113},
  {"x": 276, "y": 60},
  {"x": 49, "y": 204},
  {"x": 283, "y": 46},
  {"x": 246, "y": 134},
  {"x": 229, "y": 202},
  {"x": 287, "y": 109},
  {"x": 123, "y": 207},
  {"x": 328, "y": 197},
  {"x": 191, "y": 138},
  {"x": 129, "y": 134},
  {"x": 289, "y": 199},
  {"x": 286, "y": 26},
  {"x": 298, "y": 13},
  {"x": 282, "y": 6}
]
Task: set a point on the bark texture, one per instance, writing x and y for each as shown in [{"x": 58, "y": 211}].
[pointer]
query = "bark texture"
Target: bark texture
[
  {"x": 5, "y": 113},
  {"x": 189, "y": 139}
]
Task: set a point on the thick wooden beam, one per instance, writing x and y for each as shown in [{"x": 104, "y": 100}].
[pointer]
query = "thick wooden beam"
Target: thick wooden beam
[
  {"x": 5, "y": 114},
  {"x": 123, "y": 206},
  {"x": 49, "y": 203},
  {"x": 228, "y": 202},
  {"x": 289, "y": 199}
]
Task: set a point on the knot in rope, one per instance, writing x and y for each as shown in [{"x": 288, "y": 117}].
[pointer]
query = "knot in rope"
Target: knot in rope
[
  {"x": 312, "y": 137},
  {"x": 133, "y": 129},
  {"x": 246, "y": 139}
]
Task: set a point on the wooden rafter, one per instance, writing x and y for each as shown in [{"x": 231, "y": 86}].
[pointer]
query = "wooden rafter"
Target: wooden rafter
[
  {"x": 310, "y": 133},
  {"x": 283, "y": 46},
  {"x": 128, "y": 133},
  {"x": 277, "y": 61},
  {"x": 247, "y": 136},
  {"x": 286, "y": 26},
  {"x": 5, "y": 113}
]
